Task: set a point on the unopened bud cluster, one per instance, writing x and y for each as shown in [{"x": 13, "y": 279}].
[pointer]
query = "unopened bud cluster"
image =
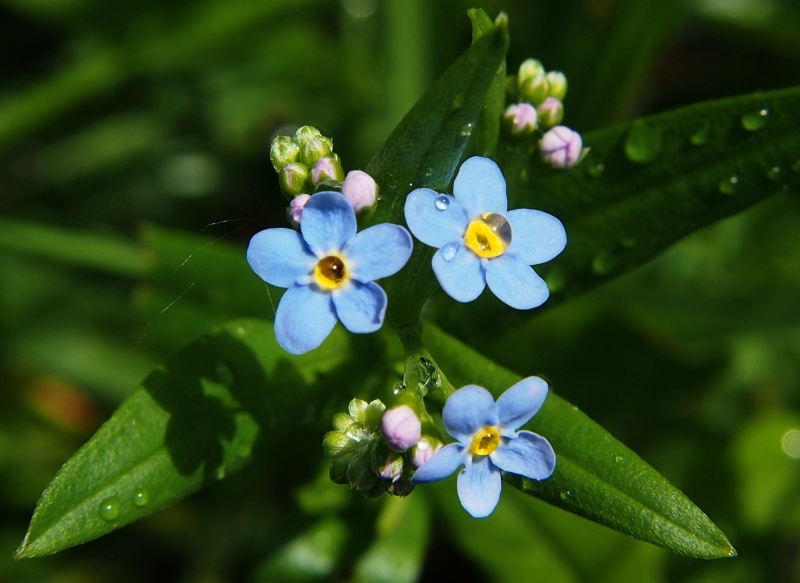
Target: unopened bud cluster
[
  {"x": 306, "y": 164},
  {"x": 537, "y": 107},
  {"x": 376, "y": 450}
]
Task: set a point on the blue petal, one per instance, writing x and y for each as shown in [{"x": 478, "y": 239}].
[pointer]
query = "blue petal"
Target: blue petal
[
  {"x": 467, "y": 410},
  {"x": 360, "y": 306},
  {"x": 521, "y": 402},
  {"x": 443, "y": 463},
  {"x": 480, "y": 187},
  {"x": 377, "y": 252},
  {"x": 515, "y": 283},
  {"x": 529, "y": 455},
  {"x": 459, "y": 272},
  {"x": 328, "y": 223},
  {"x": 280, "y": 256},
  {"x": 304, "y": 318},
  {"x": 479, "y": 486},
  {"x": 536, "y": 237},
  {"x": 430, "y": 224}
]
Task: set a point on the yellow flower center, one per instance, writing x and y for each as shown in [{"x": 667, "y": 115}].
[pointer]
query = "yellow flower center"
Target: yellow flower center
[
  {"x": 330, "y": 272},
  {"x": 488, "y": 235},
  {"x": 485, "y": 441}
]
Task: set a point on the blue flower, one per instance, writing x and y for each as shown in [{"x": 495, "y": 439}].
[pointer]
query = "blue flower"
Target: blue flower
[
  {"x": 488, "y": 443},
  {"x": 328, "y": 270},
  {"x": 480, "y": 242}
]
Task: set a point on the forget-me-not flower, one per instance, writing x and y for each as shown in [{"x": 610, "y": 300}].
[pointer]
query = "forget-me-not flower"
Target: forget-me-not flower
[
  {"x": 488, "y": 443},
  {"x": 480, "y": 242},
  {"x": 329, "y": 271}
]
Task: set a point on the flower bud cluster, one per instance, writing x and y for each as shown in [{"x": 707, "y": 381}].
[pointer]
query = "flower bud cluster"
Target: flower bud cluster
[
  {"x": 537, "y": 97},
  {"x": 375, "y": 450},
  {"x": 306, "y": 164}
]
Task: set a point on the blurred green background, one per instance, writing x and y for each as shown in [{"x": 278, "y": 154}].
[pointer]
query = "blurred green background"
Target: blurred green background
[{"x": 134, "y": 169}]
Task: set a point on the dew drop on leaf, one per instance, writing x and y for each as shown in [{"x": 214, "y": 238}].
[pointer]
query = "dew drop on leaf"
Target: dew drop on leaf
[
  {"x": 442, "y": 202},
  {"x": 466, "y": 129},
  {"x": 775, "y": 173},
  {"x": 755, "y": 120},
  {"x": 700, "y": 137},
  {"x": 565, "y": 495},
  {"x": 109, "y": 509},
  {"x": 643, "y": 143},
  {"x": 449, "y": 251},
  {"x": 428, "y": 375},
  {"x": 603, "y": 263},
  {"x": 729, "y": 185},
  {"x": 617, "y": 459},
  {"x": 141, "y": 498}
]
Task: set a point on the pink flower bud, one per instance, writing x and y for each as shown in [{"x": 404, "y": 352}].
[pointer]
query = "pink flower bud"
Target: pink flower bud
[
  {"x": 393, "y": 468},
  {"x": 327, "y": 168},
  {"x": 295, "y": 211},
  {"x": 424, "y": 451},
  {"x": 401, "y": 427},
  {"x": 360, "y": 189},
  {"x": 551, "y": 112},
  {"x": 561, "y": 147},
  {"x": 520, "y": 119}
]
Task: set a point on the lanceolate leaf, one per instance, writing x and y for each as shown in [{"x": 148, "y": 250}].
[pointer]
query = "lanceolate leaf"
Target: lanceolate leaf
[
  {"x": 425, "y": 151},
  {"x": 647, "y": 184},
  {"x": 194, "y": 420},
  {"x": 596, "y": 476}
]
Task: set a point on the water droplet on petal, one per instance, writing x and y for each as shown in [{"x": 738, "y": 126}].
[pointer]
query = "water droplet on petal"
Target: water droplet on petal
[
  {"x": 141, "y": 498},
  {"x": 700, "y": 137},
  {"x": 449, "y": 251},
  {"x": 565, "y": 495},
  {"x": 442, "y": 202},
  {"x": 729, "y": 185},
  {"x": 109, "y": 509},
  {"x": 775, "y": 173},
  {"x": 755, "y": 120},
  {"x": 643, "y": 143}
]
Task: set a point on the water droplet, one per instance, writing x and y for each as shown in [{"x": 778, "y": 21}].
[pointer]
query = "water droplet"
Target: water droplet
[
  {"x": 109, "y": 509},
  {"x": 755, "y": 120},
  {"x": 224, "y": 374},
  {"x": 700, "y": 137},
  {"x": 466, "y": 129},
  {"x": 442, "y": 202},
  {"x": 428, "y": 375},
  {"x": 775, "y": 173},
  {"x": 399, "y": 387},
  {"x": 643, "y": 143},
  {"x": 596, "y": 170},
  {"x": 617, "y": 459},
  {"x": 729, "y": 185},
  {"x": 449, "y": 251},
  {"x": 603, "y": 263},
  {"x": 141, "y": 498},
  {"x": 565, "y": 495}
]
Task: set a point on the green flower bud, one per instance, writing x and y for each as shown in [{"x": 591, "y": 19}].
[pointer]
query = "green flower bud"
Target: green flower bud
[
  {"x": 558, "y": 84},
  {"x": 528, "y": 69},
  {"x": 334, "y": 443},
  {"x": 313, "y": 150},
  {"x": 305, "y": 133},
  {"x": 534, "y": 90},
  {"x": 342, "y": 421},
  {"x": 374, "y": 414},
  {"x": 357, "y": 410},
  {"x": 283, "y": 152},
  {"x": 293, "y": 180}
]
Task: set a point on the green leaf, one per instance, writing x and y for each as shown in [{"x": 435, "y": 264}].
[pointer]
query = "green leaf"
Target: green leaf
[
  {"x": 425, "y": 150},
  {"x": 196, "y": 419},
  {"x": 397, "y": 554},
  {"x": 647, "y": 184},
  {"x": 596, "y": 476}
]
